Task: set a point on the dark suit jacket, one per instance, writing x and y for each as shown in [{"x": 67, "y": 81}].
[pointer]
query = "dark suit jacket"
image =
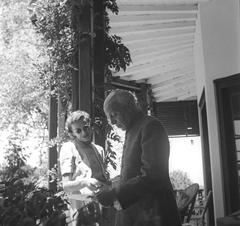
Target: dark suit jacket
[{"x": 145, "y": 191}]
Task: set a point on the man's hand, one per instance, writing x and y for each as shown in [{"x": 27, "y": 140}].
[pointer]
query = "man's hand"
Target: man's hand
[{"x": 106, "y": 197}]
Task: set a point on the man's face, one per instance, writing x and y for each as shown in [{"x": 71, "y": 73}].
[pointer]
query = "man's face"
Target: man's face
[
  {"x": 82, "y": 131},
  {"x": 115, "y": 118}
]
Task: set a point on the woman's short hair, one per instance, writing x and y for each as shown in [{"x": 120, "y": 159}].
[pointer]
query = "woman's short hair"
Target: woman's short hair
[{"x": 76, "y": 116}]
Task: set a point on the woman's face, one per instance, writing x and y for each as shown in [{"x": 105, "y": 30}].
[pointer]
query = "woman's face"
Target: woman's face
[{"x": 82, "y": 131}]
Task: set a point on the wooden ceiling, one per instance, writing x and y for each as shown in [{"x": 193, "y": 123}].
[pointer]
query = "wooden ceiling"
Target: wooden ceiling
[{"x": 160, "y": 35}]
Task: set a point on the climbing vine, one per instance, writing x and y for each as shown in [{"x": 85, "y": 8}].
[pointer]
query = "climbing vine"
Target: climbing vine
[
  {"x": 55, "y": 21},
  {"x": 52, "y": 20},
  {"x": 117, "y": 55}
]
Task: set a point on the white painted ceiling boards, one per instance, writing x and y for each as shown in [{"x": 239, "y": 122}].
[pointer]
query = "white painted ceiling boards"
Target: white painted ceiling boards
[{"x": 160, "y": 35}]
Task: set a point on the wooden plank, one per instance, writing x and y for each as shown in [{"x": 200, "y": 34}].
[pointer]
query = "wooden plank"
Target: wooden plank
[
  {"x": 180, "y": 84},
  {"x": 52, "y": 133},
  {"x": 188, "y": 96},
  {"x": 155, "y": 7},
  {"x": 158, "y": 41},
  {"x": 170, "y": 74},
  {"x": 135, "y": 37},
  {"x": 84, "y": 62},
  {"x": 175, "y": 95},
  {"x": 142, "y": 57},
  {"x": 158, "y": 47},
  {"x": 148, "y": 65},
  {"x": 75, "y": 73},
  {"x": 99, "y": 67},
  {"x": 160, "y": 57},
  {"x": 162, "y": 69},
  {"x": 120, "y": 20},
  {"x": 158, "y": 74},
  {"x": 172, "y": 80},
  {"x": 149, "y": 27},
  {"x": 75, "y": 90},
  {"x": 159, "y": 2}
]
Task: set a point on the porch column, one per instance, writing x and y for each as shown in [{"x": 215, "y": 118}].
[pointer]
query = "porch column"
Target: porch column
[
  {"x": 52, "y": 128},
  {"x": 99, "y": 66},
  {"x": 145, "y": 98},
  {"x": 81, "y": 78}
]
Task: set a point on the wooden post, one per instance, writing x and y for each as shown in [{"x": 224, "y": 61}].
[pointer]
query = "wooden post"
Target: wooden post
[
  {"x": 99, "y": 66},
  {"x": 84, "y": 61},
  {"x": 52, "y": 128},
  {"x": 75, "y": 90},
  {"x": 142, "y": 98},
  {"x": 81, "y": 78}
]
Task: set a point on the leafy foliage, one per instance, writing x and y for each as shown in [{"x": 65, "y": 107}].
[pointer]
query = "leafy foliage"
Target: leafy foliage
[
  {"x": 31, "y": 63},
  {"x": 53, "y": 21},
  {"x": 23, "y": 100},
  {"x": 29, "y": 66},
  {"x": 117, "y": 55},
  {"x": 57, "y": 24},
  {"x": 15, "y": 164},
  {"x": 25, "y": 203},
  {"x": 180, "y": 179}
]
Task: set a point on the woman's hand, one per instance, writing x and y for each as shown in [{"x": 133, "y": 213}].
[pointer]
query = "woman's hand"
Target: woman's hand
[
  {"x": 93, "y": 184},
  {"x": 80, "y": 183}
]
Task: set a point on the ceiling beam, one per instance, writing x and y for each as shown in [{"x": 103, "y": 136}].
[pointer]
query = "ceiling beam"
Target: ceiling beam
[
  {"x": 144, "y": 43},
  {"x": 160, "y": 68},
  {"x": 181, "y": 83},
  {"x": 128, "y": 7},
  {"x": 188, "y": 95},
  {"x": 155, "y": 72},
  {"x": 172, "y": 81},
  {"x": 162, "y": 56},
  {"x": 121, "y": 20},
  {"x": 158, "y": 74},
  {"x": 191, "y": 91},
  {"x": 156, "y": 47},
  {"x": 158, "y": 53},
  {"x": 148, "y": 27},
  {"x": 161, "y": 59},
  {"x": 159, "y": 2},
  {"x": 160, "y": 34},
  {"x": 160, "y": 77},
  {"x": 176, "y": 77}
]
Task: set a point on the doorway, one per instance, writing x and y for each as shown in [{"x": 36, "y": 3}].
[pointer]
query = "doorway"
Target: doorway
[{"x": 228, "y": 100}]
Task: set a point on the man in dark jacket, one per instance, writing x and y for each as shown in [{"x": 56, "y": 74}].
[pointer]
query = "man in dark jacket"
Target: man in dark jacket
[{"x": 145, "y": 192}]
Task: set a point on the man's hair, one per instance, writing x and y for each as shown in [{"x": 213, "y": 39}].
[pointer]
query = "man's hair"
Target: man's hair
[
  {"x": 121, "y": 101},
  {"x": 76, "y": 116}
]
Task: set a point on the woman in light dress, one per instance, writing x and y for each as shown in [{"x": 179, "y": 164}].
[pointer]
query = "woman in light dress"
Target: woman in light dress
[{"x": 81, "y": 163}]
